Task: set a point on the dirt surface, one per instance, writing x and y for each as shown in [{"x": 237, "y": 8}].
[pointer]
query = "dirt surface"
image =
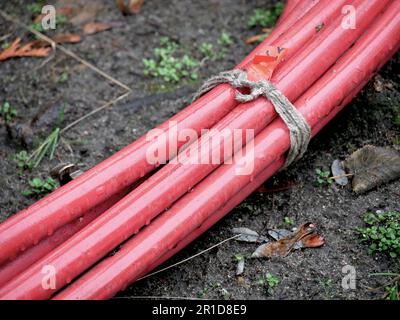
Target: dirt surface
[{"x": 32, "y": 86}]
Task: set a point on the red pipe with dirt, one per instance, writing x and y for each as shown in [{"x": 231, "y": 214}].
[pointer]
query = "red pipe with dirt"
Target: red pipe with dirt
[
  {"x": 28, "y": 257},
  {"x": 128, "y": 165},
  {"x": 318, "y": 106}
]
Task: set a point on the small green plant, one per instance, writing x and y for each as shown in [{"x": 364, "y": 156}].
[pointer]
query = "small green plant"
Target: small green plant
[
  {"x": 392, "y": 288},
  {"x": 266, "y": 18},
  {"x": 288, "y": 221},
  {"x": 322, "y": 178},
  {"x": 393, "y": 292},
  {"x": 351, "y": 147},
  {"x": 269, "y": 282},
  {"x": 207, "y": 49},
  {"x": 238, "y": 257},
  {"x": 21, "y": 160},
  {"x": 225, "y": 39},
  {"x": 48, "y": 146},
  {"x": 202, "y": 294},
  {"x": 168, "y": 66},
  {"x": 326, "y": 284},
  {"x": 40, "y": 187},
  {"x": 397, "y": 120},
  {"x": 8, "y": 112},
  {"x": 61, "y": 19},
  {"x": 5, "y": 45},
  {"x": 35, "y": 8},
  {"x": 38, "y": 27},
  {"x": 396, "y": 114},
  {"x": 382, "y": 233},
  {"x": 64, "y": 76}
]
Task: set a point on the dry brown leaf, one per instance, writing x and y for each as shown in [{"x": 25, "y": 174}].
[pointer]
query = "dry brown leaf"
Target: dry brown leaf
[
  {"x": 58, "y": 38},
  {"x": 312, "y": 241},
  {"x": 338, "y": 172},
  {"x": 87, "y": 13},
  {"x": 28, "y": 50},
  {"x": 284, "y": 246},
  {"x": 67, "y": 38},
  {"x": 121, "y": 6},
  {"x": 95, "y": 27},
  {"x": 66, "y": 11},
  {"x": 372, "y": 166},
  {"x": 133, "y": 6}
]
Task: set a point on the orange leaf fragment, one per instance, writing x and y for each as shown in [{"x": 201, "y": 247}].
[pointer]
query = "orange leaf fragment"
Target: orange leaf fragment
[
  {"x": 28, "y": 50},
  {"x": 286, "y": 245},
  {"x": 313, "y": 241},
  {"x": 133, "y": 7},
  {"x": 58, "y": 38},
  {"x": 95, "y": 27},
  {"x": 67, "y": 38}
]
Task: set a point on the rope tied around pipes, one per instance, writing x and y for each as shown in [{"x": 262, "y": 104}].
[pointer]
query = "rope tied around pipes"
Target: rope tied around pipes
[{"x": 299, "y": 129}]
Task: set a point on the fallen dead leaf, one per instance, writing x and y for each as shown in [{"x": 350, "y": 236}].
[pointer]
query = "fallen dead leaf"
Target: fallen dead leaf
[
  {"x": 65, "y": 172},
  {"x": 240, "y": 267},
  {"x": 96, "y": 27},
  {"x": 290, "y": 242},
  {"x": 133, "y": 6},
  {"x": 66, "y": 11},
  {"x": 312, "y": 241},
  {"x": 372, "y": 166},
  {"x": 87, "y": 13},
  {"x": 58, "y": 38},
  {"x": 67, "y": 38},
  {"x": 338, "y": 172},
  {"x": 247, "y": 235},
  {"x": 27, "y": 50}
]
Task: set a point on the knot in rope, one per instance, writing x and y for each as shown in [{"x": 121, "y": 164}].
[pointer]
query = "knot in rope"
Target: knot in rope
[{"x": 299, "y": 130}]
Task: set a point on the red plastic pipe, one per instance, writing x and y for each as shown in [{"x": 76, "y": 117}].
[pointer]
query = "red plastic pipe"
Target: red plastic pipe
[
  {"x": 237, "y": 199},
  {"x": 126, "y": 217},
  {"x": 293, "y": 6},
  {"x": 219, "y": 214},
  {"x": 318, "y": 106},
  {"x": 126, "y": 166},
  {"x": 240, "y": 196},
  {"x": 28, "y": 257}
]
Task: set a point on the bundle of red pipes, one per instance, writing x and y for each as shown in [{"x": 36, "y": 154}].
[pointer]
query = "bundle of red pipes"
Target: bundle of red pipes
[{"x": 327, "y": 63}]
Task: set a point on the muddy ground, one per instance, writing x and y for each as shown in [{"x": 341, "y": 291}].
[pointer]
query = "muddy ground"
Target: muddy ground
[{"x": 33, "y": 87}]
